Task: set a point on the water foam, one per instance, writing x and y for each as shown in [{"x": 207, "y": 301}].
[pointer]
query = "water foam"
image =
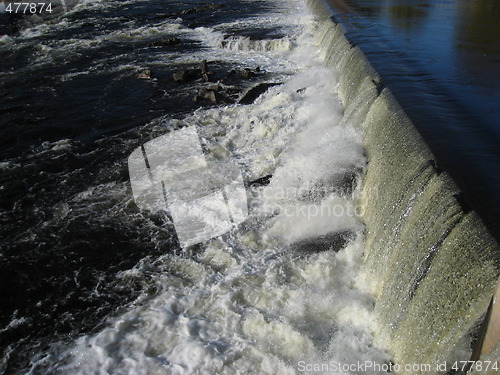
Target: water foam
[{"x": 236, "y": 311}]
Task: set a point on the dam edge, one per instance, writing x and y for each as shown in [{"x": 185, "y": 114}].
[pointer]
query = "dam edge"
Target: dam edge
[{"x": 430, "y": 259}]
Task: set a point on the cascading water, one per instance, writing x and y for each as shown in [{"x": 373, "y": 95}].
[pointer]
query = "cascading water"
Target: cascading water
[{"x": 432, "y": 263}]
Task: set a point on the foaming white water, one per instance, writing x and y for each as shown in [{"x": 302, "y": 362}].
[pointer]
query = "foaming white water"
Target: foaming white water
[
  {"x": 5, "y": 39},
  {"x": 218, "y": 39},
  {"x": 265, "y": 45},
  {"x": 250, "y": 302},
  {"x": 271, "y": 53},
  {"x": 236, "y": 310}
]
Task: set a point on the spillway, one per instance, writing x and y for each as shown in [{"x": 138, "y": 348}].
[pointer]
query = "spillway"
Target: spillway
[{"x": 430, "y": 259}]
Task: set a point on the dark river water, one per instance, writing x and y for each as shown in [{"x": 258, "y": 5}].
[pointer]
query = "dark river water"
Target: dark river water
[{"x": 441, "y": 58}]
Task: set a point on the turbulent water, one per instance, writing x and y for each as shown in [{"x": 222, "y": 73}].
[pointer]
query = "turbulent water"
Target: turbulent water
[{"x": 92, "y": 284}]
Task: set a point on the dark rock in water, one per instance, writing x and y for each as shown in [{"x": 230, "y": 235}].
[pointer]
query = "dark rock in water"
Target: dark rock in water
[
  {"x": 215, "y": 95},
  {"x": 164, "y": 42},
  {"x": 145, "y": 74},
  {"x": 204, "y": 94},
  {"x": 332, "y": 241},
  {"x": 247, "y": 73},
  {"x": 262, "y": 181},
  {"x": 204, "y": 67},
  {"x": 348, "y": 182},
  {"x": 186, "y": 75},
  {"x": 194, "y": 25},
  {"x": 342, "y": 184},
  {"x": 251, "y": 95},
  {"x": 206, "y": 74}
]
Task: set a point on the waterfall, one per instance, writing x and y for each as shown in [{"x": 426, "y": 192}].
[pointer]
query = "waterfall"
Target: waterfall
[{"x": 430, "y": 261}]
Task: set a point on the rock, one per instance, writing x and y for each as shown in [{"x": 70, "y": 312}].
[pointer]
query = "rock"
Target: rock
[
  {"x": 206, "y": 74},
  {"x": 145, "y": 74},
  {"x": 251, "y": 95},
  {"x": 247, "y": 73},
  {"x": 262, "y": 181},
  {"x": 206, "y": 77},
  {"x": 341, "y": 184},
  {"x": 186, "y": 75},
  {"x": 214, "y": 94},
  {"x": 194, "y": 25},
  {"x": 204, "y": 67},
  {"x": 348, "y": 181},
  {"x": 164, "y": 42},
  {"x": 205, "y": 94},
  {"x": 332, "y": 241}
]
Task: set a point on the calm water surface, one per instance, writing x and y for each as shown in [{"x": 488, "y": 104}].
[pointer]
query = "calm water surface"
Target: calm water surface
[{"x": 441, "y": 58}]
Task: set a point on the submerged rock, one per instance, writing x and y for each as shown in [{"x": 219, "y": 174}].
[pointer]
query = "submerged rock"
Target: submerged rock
[
  {"x": 335, "y": 241},
  {"x": 251, "y": 95},
  {"x": 341, "y": 184},
  {"x": 245, "y": 73},
  {"x": 186, "y": 75},
  {"x": 206, "y": 94},
  {"x": 262, "y": 181},
  {"x": 204, "y": 67},
  {"x": 215, "y": 95},
  {"x": 206, "y": 74}
]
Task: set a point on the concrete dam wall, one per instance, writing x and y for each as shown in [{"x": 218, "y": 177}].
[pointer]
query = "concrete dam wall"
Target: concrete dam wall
[{"x": 432, "y": 263}]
